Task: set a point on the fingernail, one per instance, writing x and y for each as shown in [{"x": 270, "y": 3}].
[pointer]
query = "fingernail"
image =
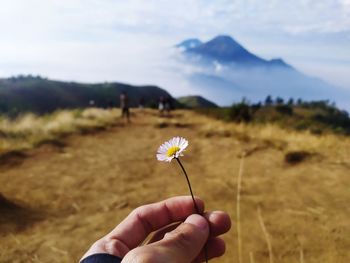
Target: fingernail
[
  {"x": 213, "y": 214},
  {"x": 198, "y": 221}
]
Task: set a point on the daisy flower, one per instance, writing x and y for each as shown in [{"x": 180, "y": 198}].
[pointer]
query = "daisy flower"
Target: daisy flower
[{"x": 172, "y": 149}]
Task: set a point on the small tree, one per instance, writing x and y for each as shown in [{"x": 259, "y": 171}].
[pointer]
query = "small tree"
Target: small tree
[
  {"x": 268, "y": 100},
  {"x": 240, "y": 112},
  {"x": 279, "y": 101}
]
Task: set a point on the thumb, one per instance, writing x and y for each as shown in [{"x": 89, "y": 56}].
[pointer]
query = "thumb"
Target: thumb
[
  {"x": 181, "y": 245},
  {"x": 187, "y": 240}
]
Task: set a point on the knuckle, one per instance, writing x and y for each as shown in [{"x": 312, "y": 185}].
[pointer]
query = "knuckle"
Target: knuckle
[
  {"x": 115, "y": 247},
  {"x": 139, "y": 210},
  {"x": 181, "y": 238}
]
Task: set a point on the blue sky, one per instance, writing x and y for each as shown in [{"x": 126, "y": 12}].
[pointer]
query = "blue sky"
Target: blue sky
[{"x": 131, "y": 41}]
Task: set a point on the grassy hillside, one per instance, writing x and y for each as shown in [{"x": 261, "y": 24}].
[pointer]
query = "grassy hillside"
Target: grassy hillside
[
  {"x": 38, "y": 95},
  {"x": 30, "y": 131},
  {"x": 196, "y": 102},
  {"x": 316, "y": 117},
  {"x": 56, "y": 200}
]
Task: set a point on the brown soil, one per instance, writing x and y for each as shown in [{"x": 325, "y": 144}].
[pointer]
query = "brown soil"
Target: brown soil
[{"x": 57, "y": 200}]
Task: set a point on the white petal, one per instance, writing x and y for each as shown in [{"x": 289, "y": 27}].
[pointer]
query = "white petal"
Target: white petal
[
  {"x": 181, "y": 141},
  {"x": 178, "y": 139},
  {"x": 184, "y": 143},
  {"x": 162, "y": 149},
  {"x": 163, "y": 146},
  {"x": 173, "y": 141},
  {"x": 161, "y": 157},
  {"x": 168, "y": 159},
  {"x": 168, "y": 144}
]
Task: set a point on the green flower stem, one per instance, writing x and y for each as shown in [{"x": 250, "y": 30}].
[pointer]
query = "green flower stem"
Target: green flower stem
[
  {"x": 189, "y": 185},
  {"x": 194, "y": 202}
]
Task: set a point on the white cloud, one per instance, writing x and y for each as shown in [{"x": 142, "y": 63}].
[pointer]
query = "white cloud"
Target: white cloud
[
  {"x": 33, "y": 19},
  {"x": 97, "y": 40}
]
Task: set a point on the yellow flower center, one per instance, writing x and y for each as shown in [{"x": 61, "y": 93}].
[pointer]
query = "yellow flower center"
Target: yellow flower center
[{"x": 172, "y": 151}]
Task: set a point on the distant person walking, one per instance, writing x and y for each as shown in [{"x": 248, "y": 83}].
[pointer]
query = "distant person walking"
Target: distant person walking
[
  {"x": 167, "y": 106},
  {"x": 124, "y": 106},
  {"x": 142, "y": 103},
  {"x": 161, "y": 105}
]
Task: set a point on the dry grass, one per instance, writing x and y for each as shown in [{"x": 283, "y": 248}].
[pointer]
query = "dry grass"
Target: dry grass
[
  {"x": 286, "y": 140},
  {"x": 69, "y": 198},
  {"x": 29, "y": 130},
  {"x": 251, "y": 257},
  {"x": 238, "y": 210},
  {"x": 266, "y": 235}
]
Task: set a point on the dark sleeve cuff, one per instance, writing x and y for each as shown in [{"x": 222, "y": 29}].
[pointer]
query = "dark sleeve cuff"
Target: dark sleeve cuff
[{"x": 101, "y": 258}]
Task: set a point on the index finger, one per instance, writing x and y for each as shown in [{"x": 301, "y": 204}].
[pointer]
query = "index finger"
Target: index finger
[{"x": 135, "y": 228}]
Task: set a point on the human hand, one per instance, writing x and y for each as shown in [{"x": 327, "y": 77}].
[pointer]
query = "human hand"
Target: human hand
[{"x": 173, "y": 243}]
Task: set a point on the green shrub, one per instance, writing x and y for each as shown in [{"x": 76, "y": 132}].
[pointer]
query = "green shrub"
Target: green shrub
[
  {"x": 284, "y": 109},
  {"x": 240, "y": 112},
  {"x": 301, "y": 125}
]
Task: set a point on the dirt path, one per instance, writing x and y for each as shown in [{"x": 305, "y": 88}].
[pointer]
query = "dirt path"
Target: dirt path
[{"x": 71, "y": 196}]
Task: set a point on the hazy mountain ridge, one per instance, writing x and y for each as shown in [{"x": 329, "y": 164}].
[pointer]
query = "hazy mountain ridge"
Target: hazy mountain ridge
[
  {"x": 196, "y": 102},
  {"x": 39, "y": 95},
  {"x": 226, "y": 71},
  {"x": 224, "y": 49}
]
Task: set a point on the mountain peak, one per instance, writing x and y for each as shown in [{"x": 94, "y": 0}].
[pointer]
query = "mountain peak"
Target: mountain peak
[
  {"x": 189, "y": 43},
  {"x": 225, "y": 49},
  {"x": 226, "y": 45},
  {"x": 224, "y": 39}
]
